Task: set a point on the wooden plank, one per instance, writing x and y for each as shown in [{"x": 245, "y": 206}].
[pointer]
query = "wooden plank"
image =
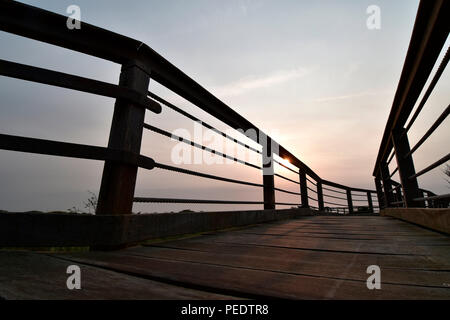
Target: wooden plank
[
  {"x": 320, "y": 244},
  {"x": 118, "y": 183},
  {"x": 240, "y": 263},
  {"x": 342, "y": 235},
  {"x": 26, "y": 275},
  {"x": 345, "y": 270},
  {"x": 436, "y": 219},
  {"x": 303, "y": 188},
  {"x": 255, "y": 283},
  {"x": 402, "y": 236},
  {"x": 360, "y": 222},
  {"x": 292, "y": 235},
  {"x": 72, "y": 150},
  {"x": 405, "y": 165},
  {"x": 391, "y": 229},
  {"x": 337, "y": 258},
  {"x": 268, "y": 174},
  {"x": 319, "y": 232},
  {"x": 64, "y": 80},
  {"x": 350, "y": 228}
]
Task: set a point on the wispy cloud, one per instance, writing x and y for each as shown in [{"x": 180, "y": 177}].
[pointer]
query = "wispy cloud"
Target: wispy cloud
[
  {"x": 253, "y": 83},
  {"x": 353, "y": 96},
  {"x": 244, "y": 9},
  {"x": 352, "y": 68}
]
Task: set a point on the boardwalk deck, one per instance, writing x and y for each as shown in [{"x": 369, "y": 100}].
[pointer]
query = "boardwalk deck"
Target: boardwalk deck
[{"x": 307, "y": 258}]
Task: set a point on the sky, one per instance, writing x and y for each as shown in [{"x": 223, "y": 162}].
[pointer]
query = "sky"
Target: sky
[{"x": 310, "y": 73}]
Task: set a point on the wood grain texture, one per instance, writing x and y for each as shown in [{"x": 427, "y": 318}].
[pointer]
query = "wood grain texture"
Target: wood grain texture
[
  {"x": 26, "y": 275},
  {"x": 436, "y": 219},
  {"x": 307, "y": 258}
]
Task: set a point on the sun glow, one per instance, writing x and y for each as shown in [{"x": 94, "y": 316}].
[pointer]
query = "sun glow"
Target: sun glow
[{"x": 286, "y": 162}]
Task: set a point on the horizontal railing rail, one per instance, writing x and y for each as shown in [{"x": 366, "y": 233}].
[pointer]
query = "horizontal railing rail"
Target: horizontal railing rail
[
  {"x": 141, "y": 64},
  {"x": 430, "y": 33}
]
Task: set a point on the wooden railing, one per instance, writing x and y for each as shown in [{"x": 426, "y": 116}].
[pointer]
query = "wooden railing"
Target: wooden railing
[
  {"x": 430, "y": 33},
  {"x": 122, "y": 157}
]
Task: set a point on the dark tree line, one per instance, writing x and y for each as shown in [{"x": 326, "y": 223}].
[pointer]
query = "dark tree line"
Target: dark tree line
[{"x": 447, "y": 173}]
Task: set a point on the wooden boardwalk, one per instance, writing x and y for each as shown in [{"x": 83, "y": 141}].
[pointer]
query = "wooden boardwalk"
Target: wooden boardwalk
[{"x": 317, "y": 257}]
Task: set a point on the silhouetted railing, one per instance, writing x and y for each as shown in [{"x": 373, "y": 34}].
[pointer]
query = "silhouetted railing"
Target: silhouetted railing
[
  {"x": 122, "y": 156},
  {"x": 430, "y": 33}
]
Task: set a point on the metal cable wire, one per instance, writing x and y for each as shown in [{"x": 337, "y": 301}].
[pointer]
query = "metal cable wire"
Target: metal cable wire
[
  {"x": 197, "y": 145},
  {"x": 358, "y": 195},
  {"x": 334, "y": 190},
  {"x": 285, "y": 178},
  {"x": 206, "y": 125},
  {"x": 431, "y": 166},
  {"x": 326, "y": 195},
  {"x": 336, "y": 204},
  {"x": 198, "y": 201},
  {"x": 430, "y": 131},
  {"x": 390, "y": 158},
  {"x": 285, "y": 166},
  {"x": 285, "y": 191},
  {"x": 201, "y": 201},
  {"x": 204, "y": 175},
  {"x": 313, "y": 183},
  {"x": 394, "y": 188},
  {"x": 393, "y": 172},
  {"x": 312, "y": 190},
  {"x": 430, "y": 89}
]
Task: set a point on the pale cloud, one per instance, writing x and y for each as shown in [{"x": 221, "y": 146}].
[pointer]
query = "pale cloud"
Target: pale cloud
[
  {"x": 353, "y": 95},
  {"x": 253, "y": 83},
  {"x": 352, "y": 69},
  {"x": 244, "y": 9}
]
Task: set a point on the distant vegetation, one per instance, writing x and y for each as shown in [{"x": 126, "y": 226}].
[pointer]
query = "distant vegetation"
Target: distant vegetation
[
  {"x": 89, "y": 206},
  {"x": 447, "y": 173}
]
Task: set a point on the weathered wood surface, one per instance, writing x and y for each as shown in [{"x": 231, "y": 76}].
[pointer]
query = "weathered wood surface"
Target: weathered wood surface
[
  {"x": 307, "y": 258},
  {"x": 25, "y": 275},
  {"x": 433, "y": 218}
]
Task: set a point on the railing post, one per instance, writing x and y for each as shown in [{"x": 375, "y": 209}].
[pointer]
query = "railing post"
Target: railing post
[
  {"x": 118, "y": 181},
  {"x": 268, "y": 175},
  {"x": 320, "y": 195},
  {"x": 349, "y": 201},
  {"x": 381, "y": 199},
  {"x": 387, "y": 185},
  {"x": 430, "y": 203},
  {"x": 397, "y": 194},
  {"x": 303, "y": 188},
  {"x": 405, "y": 165},
  {"x": 369, "y": 201}
]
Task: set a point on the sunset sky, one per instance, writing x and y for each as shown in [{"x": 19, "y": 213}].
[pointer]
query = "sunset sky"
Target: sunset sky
[{"x": 310, "y": 73}]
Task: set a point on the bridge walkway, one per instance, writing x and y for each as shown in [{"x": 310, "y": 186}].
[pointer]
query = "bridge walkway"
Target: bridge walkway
[{"x": 316, "y": 257}]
